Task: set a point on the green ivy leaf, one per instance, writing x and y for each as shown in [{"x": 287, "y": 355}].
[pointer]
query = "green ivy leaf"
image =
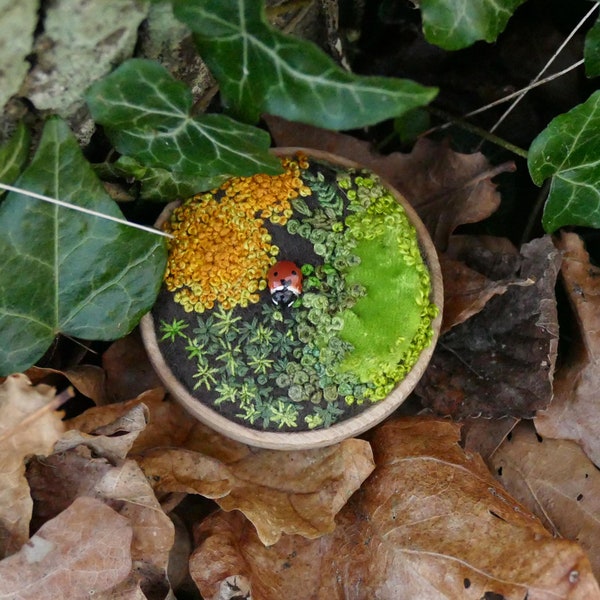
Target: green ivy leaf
[
  {"x": 156, "y": 184},
  {"x": 455, "y": 24},
  {"x": 261, "y": 70},
  {"x": 13, "y": 154},
  {"x": 146, "y": 114},
  {"x": 591, "y": 50},
  {"x": 63, "y": 271},
  {"x": 567, "y": 151}
]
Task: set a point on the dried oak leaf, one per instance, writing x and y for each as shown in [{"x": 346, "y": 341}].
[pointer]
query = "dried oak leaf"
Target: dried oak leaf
[
  {"x": 446, "y": 188},
  {"x": 430, "y": 523},
  {"x": 573, "y": 413},
  {"x": 556, "y": 481},
  {"x": 29, "y": 425},
  {"x": 87, "y": 465},
  {"x": 84, "y": 550},
  {"x": 501, "y": 361}
]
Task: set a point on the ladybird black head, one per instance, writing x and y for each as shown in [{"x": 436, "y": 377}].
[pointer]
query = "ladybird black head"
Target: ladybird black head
[{"x": 284, "y": 297}]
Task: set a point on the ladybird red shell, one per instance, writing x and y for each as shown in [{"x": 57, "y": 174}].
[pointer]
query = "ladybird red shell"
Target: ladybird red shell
[{"x": 284, "y": 279}]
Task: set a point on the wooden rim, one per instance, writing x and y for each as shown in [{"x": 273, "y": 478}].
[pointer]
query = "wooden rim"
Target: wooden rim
[{"x": 350, "y": 427}]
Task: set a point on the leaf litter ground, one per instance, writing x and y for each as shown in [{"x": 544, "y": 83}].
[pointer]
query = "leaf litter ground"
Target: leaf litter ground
[
  {"x": 580, "y": 286},
  {"x": 183, "y": 457}
]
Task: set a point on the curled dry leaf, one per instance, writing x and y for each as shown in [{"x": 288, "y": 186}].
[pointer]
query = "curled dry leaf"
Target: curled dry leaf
[
  {"x": 446, "y": 188},
  {"x": 128, "y": 370},
  {"x": 501, "y": 360},
  {"x": 76, "y": 472},
  {"x": 113, "y": 441},
  {"x": 292, "y": 492},
  {"x": 573, "y": 413},
  {"x": 29, "y": 425},
  {"x": 88, "y": 379},
  {"x": 557, "y": 482},
  {"x": 297, "y": 492},
  {"x": 167, "y": 423},
  {"x": 430, "y": 523},
  {"x": 84, "y": 550},
  {"x": 475, "y": 269}
]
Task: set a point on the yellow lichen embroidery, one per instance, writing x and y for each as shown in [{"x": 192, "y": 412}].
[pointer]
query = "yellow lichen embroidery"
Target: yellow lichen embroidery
[{"x": 221, "y": 250}]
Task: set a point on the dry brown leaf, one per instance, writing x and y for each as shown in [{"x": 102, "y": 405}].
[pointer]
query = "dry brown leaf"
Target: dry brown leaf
[
  {"x": 466, "y": 292},
  {"x": 168, "y": 424},
  {"x": 112, "y": 441},
  {"x": 573, "y": 413},
  {"x": 88, "y": 379},
  {"x": 430, "y": 523},
  {"x": 61, "y": 478},
  {"x": 84, "y": 550},
  {"x": 293, "y": 492},
  {"x": 296, "y": 492},
  {"x": 446, "y": 188},
  {"x": 484, "y": 436},
  {"x": 28, "y": 425},
  {"x": 128, "y": 370},
  {"x": 557, "y": 482},
  {"x": 501, "y": 360},
  {"x": 180, "y": 470},
  {"x": 475, "y": 269},
  {"x": 73, "y": 471}
]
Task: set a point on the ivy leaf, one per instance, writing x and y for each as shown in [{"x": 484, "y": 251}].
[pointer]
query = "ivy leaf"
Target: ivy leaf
[
  {"x": 146, "y": 114},
  {"x": 156, "y": 184},
  {"x": 591, "y": 50},
  {"x": 13, "y": 154},
  {"x": 567, "y": 151},
  {"x": 63, "y": 271},
  {"x": 455, "y": 24},
  {"x": 261, "y": 70}
]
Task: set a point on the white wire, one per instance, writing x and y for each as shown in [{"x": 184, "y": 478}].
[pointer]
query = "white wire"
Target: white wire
[{"x": 87, "y": 211}]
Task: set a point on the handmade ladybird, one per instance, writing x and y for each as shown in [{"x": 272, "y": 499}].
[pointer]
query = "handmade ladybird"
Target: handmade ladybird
[{"x": 285, "y": 282}]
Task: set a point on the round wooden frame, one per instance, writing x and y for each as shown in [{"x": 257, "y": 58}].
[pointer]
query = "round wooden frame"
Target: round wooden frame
[{"x": 350, "y": 427}]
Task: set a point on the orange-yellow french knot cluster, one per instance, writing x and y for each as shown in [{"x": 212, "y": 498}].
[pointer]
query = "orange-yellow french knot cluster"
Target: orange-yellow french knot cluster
[{"x": 221, "y": 250}]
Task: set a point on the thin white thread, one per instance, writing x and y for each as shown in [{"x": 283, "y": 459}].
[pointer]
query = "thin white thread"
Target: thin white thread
[{"x": 88, "y": 211}]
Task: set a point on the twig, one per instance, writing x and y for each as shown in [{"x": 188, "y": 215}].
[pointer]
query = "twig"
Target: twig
[
  {"x": 544, "y": 68},
  {"x": 510, "y": 96},
  {"x": 490, "y": 137}
]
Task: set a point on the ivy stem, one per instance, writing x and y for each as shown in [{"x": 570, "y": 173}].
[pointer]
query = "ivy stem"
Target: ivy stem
[
  {"x": 87, "y": 211},
  {"x": 490, "y": 137}
]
